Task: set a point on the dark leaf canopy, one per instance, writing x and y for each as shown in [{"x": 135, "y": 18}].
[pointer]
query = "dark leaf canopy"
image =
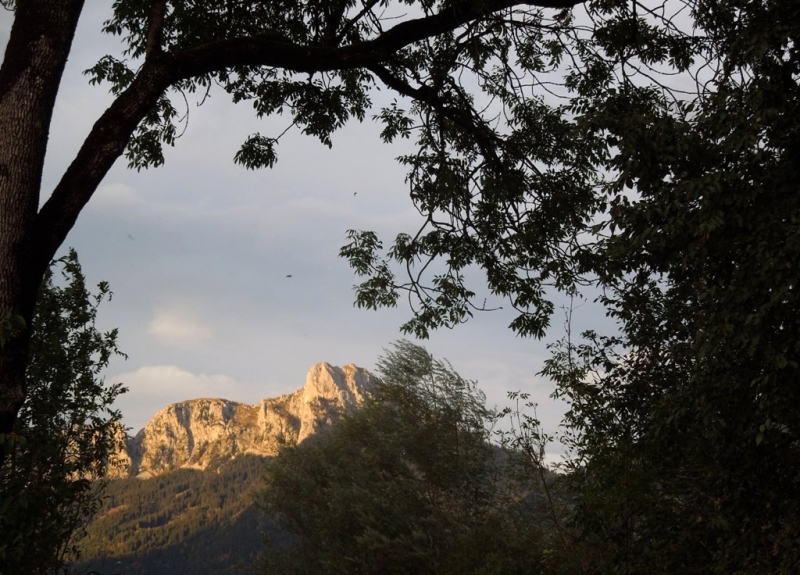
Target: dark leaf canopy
[
  {"x": 68, "y": 430},
  {"x": 503, "y": 172}
]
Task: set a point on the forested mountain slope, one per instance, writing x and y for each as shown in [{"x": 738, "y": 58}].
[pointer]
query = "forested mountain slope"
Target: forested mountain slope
[{"x": 188, "y": 521}]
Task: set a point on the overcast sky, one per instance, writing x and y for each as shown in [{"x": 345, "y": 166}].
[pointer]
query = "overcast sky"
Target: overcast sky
[{"x": 197, "y": 253}]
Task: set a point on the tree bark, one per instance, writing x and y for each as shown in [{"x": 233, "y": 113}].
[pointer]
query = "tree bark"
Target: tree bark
[{"x": 37, "y": 50}]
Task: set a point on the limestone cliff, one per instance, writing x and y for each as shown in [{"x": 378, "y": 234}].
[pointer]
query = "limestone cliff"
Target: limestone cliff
[{"x": 196, "y": 432}]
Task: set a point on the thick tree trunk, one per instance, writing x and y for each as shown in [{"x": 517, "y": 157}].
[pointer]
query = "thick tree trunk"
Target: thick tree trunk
[{"x": 35, "y": 56}]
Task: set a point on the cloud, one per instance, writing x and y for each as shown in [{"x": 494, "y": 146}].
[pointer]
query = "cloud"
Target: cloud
[
  {"x": 178, "y": 328},
  {"x": 161, "y": 385},
  {"x": 117, "y": 195},
  {"x": 171, "y": 381}
]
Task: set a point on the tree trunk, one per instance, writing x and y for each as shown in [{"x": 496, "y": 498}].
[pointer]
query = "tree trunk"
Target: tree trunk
[{"x": 37, "y": 50}]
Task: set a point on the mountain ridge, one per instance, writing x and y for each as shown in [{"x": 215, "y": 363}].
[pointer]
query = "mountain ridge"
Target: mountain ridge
[{"x": 196, "y": 432}]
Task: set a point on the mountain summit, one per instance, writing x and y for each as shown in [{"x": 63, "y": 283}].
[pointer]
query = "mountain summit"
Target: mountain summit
[{"x": 194, "y": 433}]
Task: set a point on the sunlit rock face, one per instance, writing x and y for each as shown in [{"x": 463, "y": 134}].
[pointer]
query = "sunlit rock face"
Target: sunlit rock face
[
  {"x": 196, "y": 432},
  {"x": 329, "y": 391},
  {"x": 120, "y": 463}
]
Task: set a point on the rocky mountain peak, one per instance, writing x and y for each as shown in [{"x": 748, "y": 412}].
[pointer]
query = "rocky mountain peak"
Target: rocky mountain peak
[
  {"x": 195, "y": 432},
  {"x": 330, "y": 391}
]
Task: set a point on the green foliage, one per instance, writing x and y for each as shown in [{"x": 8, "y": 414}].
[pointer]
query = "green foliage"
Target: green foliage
[
  {"x": 257, "y": 152},
  {"x": 525, "y": 443},
  {"x": 666, "y": 178},
  {"x": 66, "y": 432},
  {"x": 685, "y": 426},
  {"x": 508, "y": 186},
  {"x": 319, "y": 104},
  {"x": 504, "y": 176},
  {"x": 408, "y": 483}
]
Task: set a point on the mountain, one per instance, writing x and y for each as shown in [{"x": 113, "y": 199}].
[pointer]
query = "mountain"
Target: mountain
[
  {"x": 183, "y": 497},
  {"x": 197, "y": 432}
]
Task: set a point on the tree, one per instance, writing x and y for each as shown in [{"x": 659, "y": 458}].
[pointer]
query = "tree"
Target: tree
[
  {"x": 688, "y": 428},
  {"x": 658, "y": 167},
  {"x": 685, "y": 427},
  {"x": 315, "y": 59},
  {"x": 408, "y": 483},
  {"x": 67, "y": 432}
]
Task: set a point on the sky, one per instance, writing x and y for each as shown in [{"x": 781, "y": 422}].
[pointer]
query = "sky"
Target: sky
[{"x": 199, "y": 252}]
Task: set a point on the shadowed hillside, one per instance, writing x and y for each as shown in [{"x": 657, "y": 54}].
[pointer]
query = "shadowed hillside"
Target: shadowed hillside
[{"x": 188, "y": 521}]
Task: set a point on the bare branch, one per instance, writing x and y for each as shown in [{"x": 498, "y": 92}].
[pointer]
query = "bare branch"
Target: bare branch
[{"x": 353, "y": 21}]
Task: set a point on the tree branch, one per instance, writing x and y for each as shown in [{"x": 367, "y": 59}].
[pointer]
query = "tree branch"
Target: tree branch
[
  {"x": 487, "y": 142},
  {"x": 332, "y": 22},
  {"x": 276, "y": 51},
  {"x": 454, "y": 17},
  {"x": 105, "y": 143},
  {"x": 109, "y": 136},
  {"x": 353, "y": 21},
  {"x": 155, "y": 27}
]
